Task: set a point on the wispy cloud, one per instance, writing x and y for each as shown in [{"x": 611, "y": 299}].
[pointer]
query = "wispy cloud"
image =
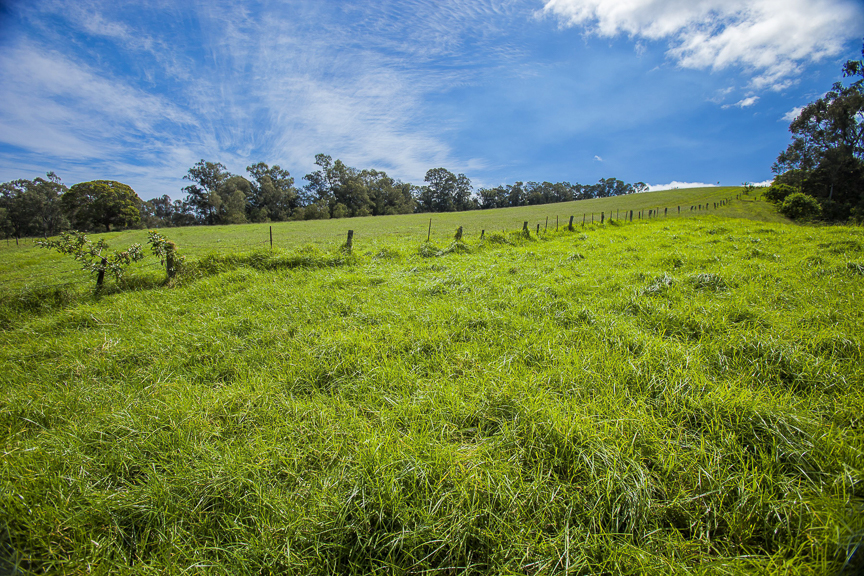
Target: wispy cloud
[
  {"x": 770, "y": 38},
  {"x": 598, "y": 159},
  {"x": 278, "y": 85},
  {"x": 743, "y": 103}
]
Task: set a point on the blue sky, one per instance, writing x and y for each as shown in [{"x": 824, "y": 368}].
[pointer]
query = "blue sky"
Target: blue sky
[{"x": 659, "y": 91}]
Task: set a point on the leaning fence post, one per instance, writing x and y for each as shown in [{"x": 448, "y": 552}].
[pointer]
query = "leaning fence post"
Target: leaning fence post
[
  {"x": 538, "y": 229},
  {"x": 429, "y": 235},
  {"x": 350, "y": 242},
  {"x": 101, "y": 276}
]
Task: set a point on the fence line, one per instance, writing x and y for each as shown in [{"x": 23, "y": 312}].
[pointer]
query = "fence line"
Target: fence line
[{"x": 629, "y": 216}]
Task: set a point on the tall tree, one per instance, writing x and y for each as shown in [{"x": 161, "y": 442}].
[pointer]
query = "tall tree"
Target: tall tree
[
  {"x": 33, "y": 207},
  {"x": 203, "y": 193},
  {"x": 231, "y": 200},
  {"x": 102, "y": 203},
  {"x": 446, "y": 192},
  {"x": 826, "y": 156},
  {"x": 321, "y": 182},
  {"x": 273, "y": 194}
]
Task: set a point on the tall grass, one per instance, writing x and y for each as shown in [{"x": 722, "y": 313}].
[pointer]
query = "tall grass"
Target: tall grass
[{"x": 679, "y": 396}]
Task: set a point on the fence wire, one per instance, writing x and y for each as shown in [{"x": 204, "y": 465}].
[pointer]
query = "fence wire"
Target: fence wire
[{"x": 68, "y": 275}]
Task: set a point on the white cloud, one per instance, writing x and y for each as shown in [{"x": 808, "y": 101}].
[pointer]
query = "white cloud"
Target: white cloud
[
  {"x": 793, "y": 114},
  {"x": 598, "y": 158},
  {"x": 675, "y": 184},
  {"x": 771, "y": 39},
  {"x": 763, "y": 184},
  {"x": 744, "y": 103}
]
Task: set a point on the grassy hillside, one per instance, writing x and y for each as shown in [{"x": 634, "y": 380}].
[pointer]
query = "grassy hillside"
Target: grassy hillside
[
  {"x": 28, "y": 265},
  {"x": 668, "y": 396}
]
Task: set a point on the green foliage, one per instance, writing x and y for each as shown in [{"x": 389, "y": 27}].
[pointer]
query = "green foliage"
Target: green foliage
[
  {"x": 32, "y": 208},
  {"x": 826, "y": 156},
  {"x": 102, "y": 203},
  {"x": 203, "y": 194},
  {"x": 340, "y": 211},
  {"x": 799, "y": 206},
  {"x": 273, "y": 196},
  {"x": 446, "y": 192},
  {"x": 166, "y": 251},
  {"x": 777, "y": 193},
  {"x": 94, "y": 257}
]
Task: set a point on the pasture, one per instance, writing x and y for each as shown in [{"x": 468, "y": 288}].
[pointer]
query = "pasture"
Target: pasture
[{"x": 678, "y": 395}]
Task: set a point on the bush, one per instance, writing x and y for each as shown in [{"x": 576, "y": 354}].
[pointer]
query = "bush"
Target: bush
[
  {"x": 798, "y": 206},
  {"x": 340, "y": 211},
  {"x": 777, "y": 193}
]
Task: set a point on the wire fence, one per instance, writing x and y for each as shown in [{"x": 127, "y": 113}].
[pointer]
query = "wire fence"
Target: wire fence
[{"x": 69, "y": 274}]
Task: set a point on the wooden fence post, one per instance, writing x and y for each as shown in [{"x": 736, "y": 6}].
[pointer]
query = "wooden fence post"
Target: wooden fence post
[
  {"x": 525, "y": 229},
  {"x": 538, "y": 229},
  {"x": 100, "y": 278},
  {"x": 271, "y": 238},
  {"x": 631, "y": 215},
  {"x": 350, "y": 242},
  {"x": 665, "y": 211},
  {"x": 482, "y": 233},
  {"x": 546, "y": 227},
  {"x": 602, "y": 217},
  {"x": 429, "y": 235},
  {"x": 556, "y": 223},
  {"x": 570, "y": 226},
  {"x": 583, "y": 220}
]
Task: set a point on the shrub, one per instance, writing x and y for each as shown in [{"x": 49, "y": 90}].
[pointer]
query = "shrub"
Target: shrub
[
  {"x": 340, "y": 211},
  {"x": 94, "y": 258},
  {"x": 777, "y": 193},
  {"x": 798, "y": 206}
]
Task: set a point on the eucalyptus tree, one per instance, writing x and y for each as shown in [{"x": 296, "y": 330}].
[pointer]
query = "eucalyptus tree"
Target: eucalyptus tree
[{"x": 826, "y": 156}]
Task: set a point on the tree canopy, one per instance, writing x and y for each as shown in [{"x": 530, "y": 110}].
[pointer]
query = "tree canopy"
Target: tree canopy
[
  {"x": 825, "y": 159},
  {"x": 32, "y": 207},
  {"x": 102, "y": 203}
]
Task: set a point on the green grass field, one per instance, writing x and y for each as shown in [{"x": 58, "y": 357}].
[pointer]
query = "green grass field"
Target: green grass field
[{"x": 668, "y": 396}]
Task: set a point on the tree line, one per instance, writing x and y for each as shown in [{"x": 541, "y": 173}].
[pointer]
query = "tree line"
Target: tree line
[{"x": 45, "y": 206}]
